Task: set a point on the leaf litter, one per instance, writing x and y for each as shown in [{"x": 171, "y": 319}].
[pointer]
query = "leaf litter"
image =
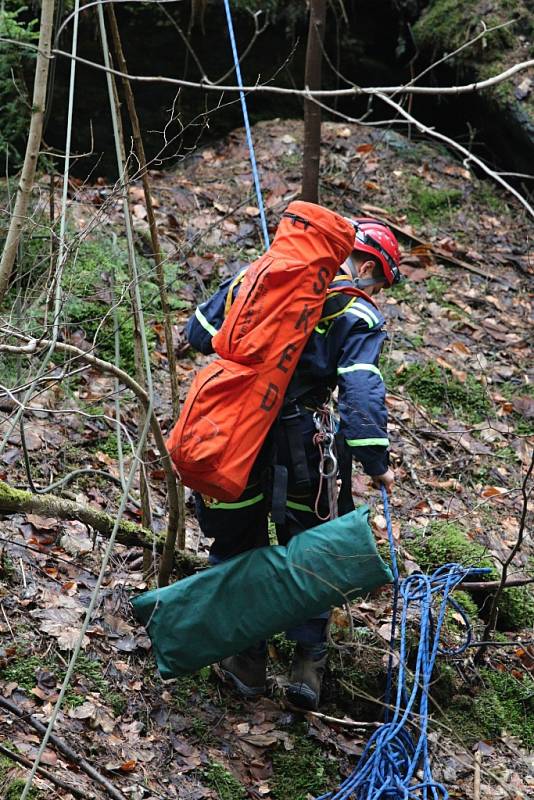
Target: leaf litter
[{"x": 160, "y": 739}]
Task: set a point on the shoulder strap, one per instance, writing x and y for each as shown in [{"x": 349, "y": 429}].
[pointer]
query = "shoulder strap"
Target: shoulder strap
[{"x": 230, "y": 293}]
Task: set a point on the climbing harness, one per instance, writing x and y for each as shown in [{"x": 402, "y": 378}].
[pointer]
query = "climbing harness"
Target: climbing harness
[
  {"x": 324, "y": 439},
  {"x": 395, "y": 763}
]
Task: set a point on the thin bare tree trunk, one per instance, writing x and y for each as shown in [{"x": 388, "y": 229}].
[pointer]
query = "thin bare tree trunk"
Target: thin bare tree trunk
[
  {"x": 312, "y": 112},
  {"x": 32, "y": 148},
  {"x": 139, "y": 333},
  {"x": 167, "y": 560},
  {"x": 144, "y": 491}
]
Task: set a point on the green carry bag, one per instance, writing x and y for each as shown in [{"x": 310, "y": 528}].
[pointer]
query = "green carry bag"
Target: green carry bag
[{"x": 225, "y": 609}]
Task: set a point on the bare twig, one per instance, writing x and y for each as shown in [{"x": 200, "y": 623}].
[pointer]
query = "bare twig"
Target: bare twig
[
  {"x": 476, "y": 775},
  {"x": 64, "y": 748},
  {"x": 489, "y": 586},
  {"x": 259, "y": 87},
  {"x": 68, "y": 787},
  {"x": 347, "y": 723},
  {"x": 494, "y": 608}
]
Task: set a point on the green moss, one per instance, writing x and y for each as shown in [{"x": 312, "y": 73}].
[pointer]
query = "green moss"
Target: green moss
[
  {"x": 467, "y": 603},
  {"x": 446, "y": 22},
  {"x": 487, "y": 196},
  {"x": 401, "y": 291},
  {"x": 15, "y": 789},
  {"x": 428, "y": 204},
  {"x": 188, "y": 687},
  {"x": 303, "y": 771},
  {"x": 445, "y": 542},
  {"x": 5, "y": 763},
  {"x": 109, "y": 446},
  {"x": 436, "y": 287},
  {"x": 516, "y": 608},
  {"x": 217, "y": 777},
  {"x": 22, "y": 671},
  {"x": 502, "y": 704},
  {"x": 439, "y": 390},
  {"x": 87, "y": 284}
]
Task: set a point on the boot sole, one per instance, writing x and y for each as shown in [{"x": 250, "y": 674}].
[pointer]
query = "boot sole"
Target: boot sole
[
  {"x": 300, "y": 695},
  {"x": 240, "y": 687}
]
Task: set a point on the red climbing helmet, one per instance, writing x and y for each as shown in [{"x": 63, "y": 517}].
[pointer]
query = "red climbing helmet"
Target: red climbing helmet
[{"x": 374, "y": 237}]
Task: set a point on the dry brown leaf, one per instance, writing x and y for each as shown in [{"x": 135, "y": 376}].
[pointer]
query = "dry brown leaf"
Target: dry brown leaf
[{"x": 42, "y": 523}]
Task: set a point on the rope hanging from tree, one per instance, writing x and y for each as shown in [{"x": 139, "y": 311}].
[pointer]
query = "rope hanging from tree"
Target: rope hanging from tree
[{"x": 247, "y": 123}]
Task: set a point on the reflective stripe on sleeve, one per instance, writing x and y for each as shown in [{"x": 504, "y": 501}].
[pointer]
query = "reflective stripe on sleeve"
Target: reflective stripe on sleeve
[
  {"x": 204, "y": 322},
  {"x": 371, "y": 314},
  {"x": 362, "y": 367},
  {"x": 367, "y": 442},
  {"x": 362, "y": 313},
  {"x": 243, "y": 504}
]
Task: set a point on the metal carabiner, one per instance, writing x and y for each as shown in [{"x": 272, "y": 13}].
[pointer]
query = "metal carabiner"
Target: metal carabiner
[{"x": 330, "y": 456}]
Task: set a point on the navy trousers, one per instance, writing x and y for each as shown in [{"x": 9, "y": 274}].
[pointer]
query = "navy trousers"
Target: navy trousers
[{"x": 244, "y": 524}]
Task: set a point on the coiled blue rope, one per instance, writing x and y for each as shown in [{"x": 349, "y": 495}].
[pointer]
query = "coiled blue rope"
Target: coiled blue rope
[
  {"x": 395, "y": 763},
  {"x": 247, "y": 123}
]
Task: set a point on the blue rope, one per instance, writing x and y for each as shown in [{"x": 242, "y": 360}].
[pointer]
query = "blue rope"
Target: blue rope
[
  {"x": 395, "y": 763},
  {"x": 247, "y": 124}
]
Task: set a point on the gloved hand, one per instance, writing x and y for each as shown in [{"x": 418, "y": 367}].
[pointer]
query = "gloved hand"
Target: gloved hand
[{"x": 387, "y": 480}]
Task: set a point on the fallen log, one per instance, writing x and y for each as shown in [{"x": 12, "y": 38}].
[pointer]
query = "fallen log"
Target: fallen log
[{"x": 48, "y": 505}]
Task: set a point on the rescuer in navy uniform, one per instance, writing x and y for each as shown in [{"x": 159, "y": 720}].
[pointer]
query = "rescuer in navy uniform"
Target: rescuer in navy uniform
[{"x": 342, "y": 351}]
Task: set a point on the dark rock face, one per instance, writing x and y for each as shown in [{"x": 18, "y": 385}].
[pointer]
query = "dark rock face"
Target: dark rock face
[
  {"x": 375, "y": 46},
  {"x": 503, "y": 115}
]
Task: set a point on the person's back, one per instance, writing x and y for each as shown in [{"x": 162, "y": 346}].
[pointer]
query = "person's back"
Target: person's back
[{"x": 342, "y": 351}]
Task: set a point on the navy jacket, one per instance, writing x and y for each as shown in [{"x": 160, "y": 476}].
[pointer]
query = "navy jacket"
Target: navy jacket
[{"x": 343, "y": 352}]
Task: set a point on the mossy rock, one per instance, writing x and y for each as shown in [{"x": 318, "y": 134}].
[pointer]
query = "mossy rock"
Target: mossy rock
[
  {"x": 445, "y": 25},
  {"x": 448, "y": 543}
]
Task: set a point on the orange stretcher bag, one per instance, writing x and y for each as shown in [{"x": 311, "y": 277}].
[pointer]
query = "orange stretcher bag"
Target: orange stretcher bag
[{"x": 234, "y": 401}]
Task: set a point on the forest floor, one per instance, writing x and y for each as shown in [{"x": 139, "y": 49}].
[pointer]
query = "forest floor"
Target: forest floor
[{"x": 461, "y": 405}]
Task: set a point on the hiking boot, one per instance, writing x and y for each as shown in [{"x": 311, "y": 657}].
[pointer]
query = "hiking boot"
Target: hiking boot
[
  {"x": 306, "y": 676},
  {"x": 247, "y": 671}
]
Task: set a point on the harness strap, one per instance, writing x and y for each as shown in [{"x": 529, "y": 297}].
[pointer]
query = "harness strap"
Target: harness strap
[
  {"x": 279, "y": 494},
  {"x": 291, "y": 425}
]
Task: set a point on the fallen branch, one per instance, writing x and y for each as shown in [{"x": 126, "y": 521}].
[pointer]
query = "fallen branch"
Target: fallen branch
[
  {"x": 433, "y": 248},
  {"x": 48, "y": 505},
  {"x": 490, "y": 586},
  {"x": 64, "y": 748},
  {"x": 266, "y": 87},
  {"x": 348, "y": 723},
  {"x": 15, "y": 501},
  {"x": 144, "y": 399},
  {"x": 18, "y": 759}
]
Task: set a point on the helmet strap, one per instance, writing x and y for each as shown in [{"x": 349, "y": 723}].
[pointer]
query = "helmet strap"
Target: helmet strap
[{"x": 361, "y": 283}]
